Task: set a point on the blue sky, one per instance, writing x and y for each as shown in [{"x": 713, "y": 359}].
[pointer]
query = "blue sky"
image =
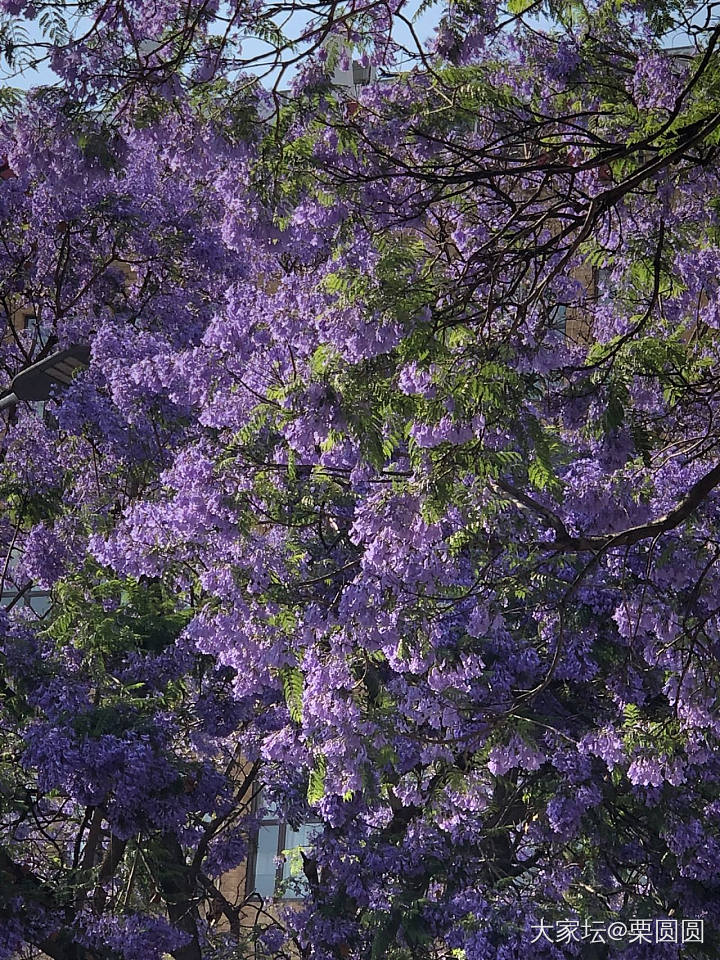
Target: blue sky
[{"x": 424, "y": 26}]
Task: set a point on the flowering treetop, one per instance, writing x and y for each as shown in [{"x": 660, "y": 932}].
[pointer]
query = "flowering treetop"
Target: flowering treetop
[{"x": 390, "y": 486}]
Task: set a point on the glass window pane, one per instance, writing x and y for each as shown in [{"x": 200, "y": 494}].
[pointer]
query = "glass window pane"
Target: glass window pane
[
  {"x": 265, "y": 867},
  {"x": 294, "y": 880},
  {"x": 301, "y": 837},
  {"x": 558, "y": 318},
  {"x": 265, "y": 808},
  {"x": 39, "y": 602}
]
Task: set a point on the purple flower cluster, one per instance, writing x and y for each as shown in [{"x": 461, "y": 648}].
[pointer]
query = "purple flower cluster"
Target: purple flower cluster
[{"x": 387, "y": 500}]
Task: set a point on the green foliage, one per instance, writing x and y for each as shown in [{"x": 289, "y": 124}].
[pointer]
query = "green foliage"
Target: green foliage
[
  {"x": 316, "y": 781},
  {"x": 541, "y": 472},
  {"x": 520, "y": 6},
  {"x": 114, "y": 616},
  {"x": 293, "y": 683},
  {"x": 25, "y": 509}
]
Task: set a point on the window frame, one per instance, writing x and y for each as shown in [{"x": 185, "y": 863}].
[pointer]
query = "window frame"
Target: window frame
[{"x": 253, "y": 849}]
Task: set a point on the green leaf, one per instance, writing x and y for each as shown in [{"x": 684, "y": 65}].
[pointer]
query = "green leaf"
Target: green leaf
[
  {"x": 293, "y": 687},
  {"x": 539, "y": 475},
  {"x": 316, "y": 782},
  {"x": 520, "y": 6}
]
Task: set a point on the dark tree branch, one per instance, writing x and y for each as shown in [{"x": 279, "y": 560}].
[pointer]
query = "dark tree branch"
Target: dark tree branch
[{"x": 694, "y": 498}]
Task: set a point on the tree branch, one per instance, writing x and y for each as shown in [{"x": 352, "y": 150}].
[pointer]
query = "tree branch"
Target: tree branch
[{"x": 697, "y": 494}]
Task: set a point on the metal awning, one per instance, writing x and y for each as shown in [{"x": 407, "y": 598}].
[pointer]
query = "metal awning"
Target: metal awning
[{"x": 41, "y": 380}]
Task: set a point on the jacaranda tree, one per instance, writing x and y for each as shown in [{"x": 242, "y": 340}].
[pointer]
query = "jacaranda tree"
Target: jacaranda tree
[{"x": 391, "y": 487}]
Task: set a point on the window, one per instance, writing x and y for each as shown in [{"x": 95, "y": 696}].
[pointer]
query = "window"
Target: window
[
  {"x": 275, "y": 868},
  {"x": 39, "y": 601},
  {"x": 354, "y": 76},
  {"x": 361, "y": 74},
  {"x": 558, "y": 318},
  {"x": 602, "y": 280},
  {"x": 13, "y": 595},
  {"x": 37, "y": 331}
]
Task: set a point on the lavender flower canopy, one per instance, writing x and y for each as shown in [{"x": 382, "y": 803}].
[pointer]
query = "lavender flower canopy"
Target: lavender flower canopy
[{"x": 389, "y": 487}]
